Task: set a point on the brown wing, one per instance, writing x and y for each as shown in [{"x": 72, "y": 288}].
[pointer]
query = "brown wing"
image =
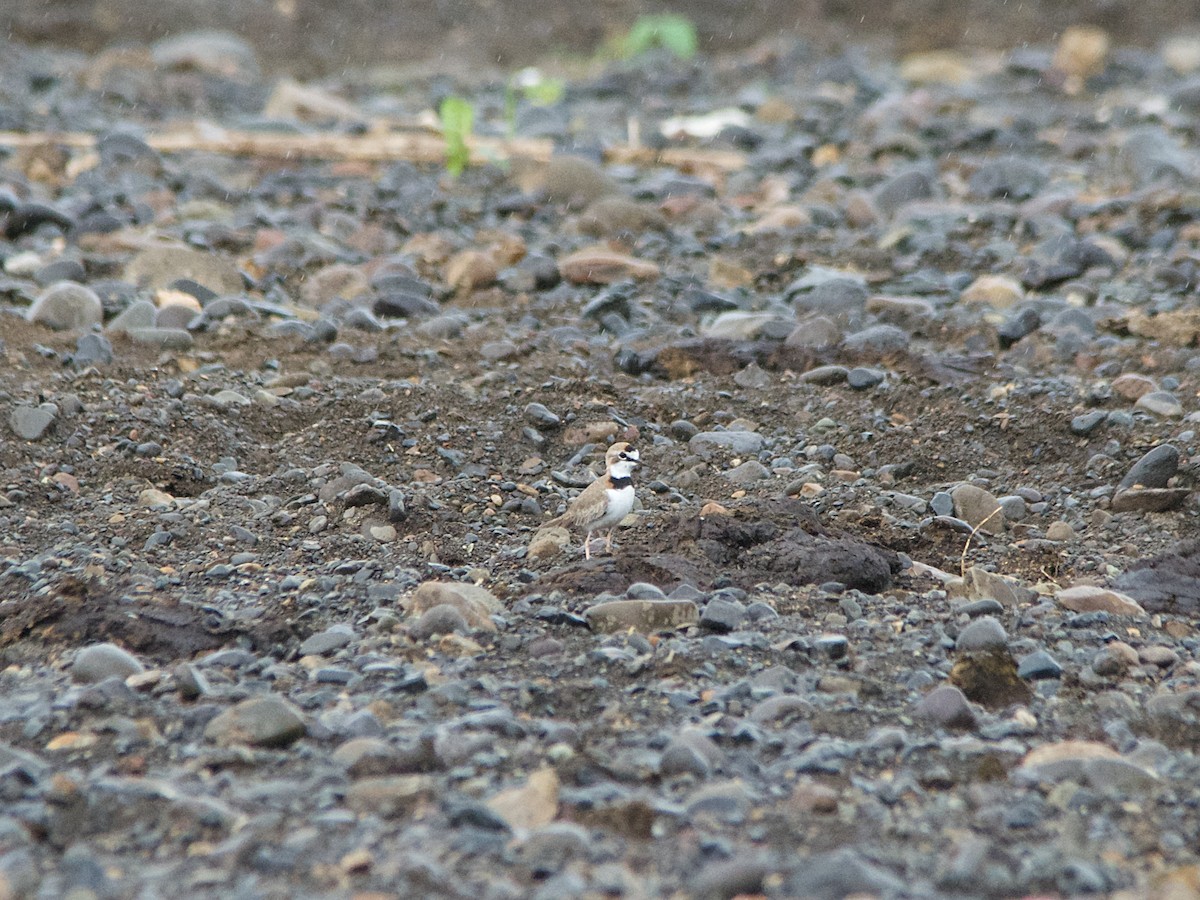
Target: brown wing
[{"x": 587, "y": 507}]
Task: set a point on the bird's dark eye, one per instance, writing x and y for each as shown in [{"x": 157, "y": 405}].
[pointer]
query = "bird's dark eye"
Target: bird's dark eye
[{"x": 624, "y": 456}]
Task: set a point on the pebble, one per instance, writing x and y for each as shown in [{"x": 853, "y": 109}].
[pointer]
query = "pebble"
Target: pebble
[
  {"x": 1160, "y": 403},
  {"x": 602, "y": 266},
  {"x": 1087, "y": 598},
  {"x": 946, "y": 706},
  {"x": 265, "y": 721},
  {"x": 66, "y": 306},
  {"x": 748, "y": 472},
  {"x": 90, "y": 350},
  {"x": 476, "y": 604},
  {"x": 161, "y": 338},
  {"x": 332, "y": 638},
  {"x": 1038, "y": 665},
  {"x": 1086, "y": 423},
  {"x": 31, "y": 423},
  {"x": 1154, "y": 470},
  {"x": 97, "y": 662},
  {"x": 646, "y": 616},
  {"x": 1060, "y": 531},
  {"x": 442, "y": 619},
  {"x": 722, "y": 615},
  {"x": 861, "y": 379},
  {"x": 983, "y": 633},
  {"x": 974, "y": 505},
  {"x": 734, "y": 443},
  {"x": 826, "y": 375}
]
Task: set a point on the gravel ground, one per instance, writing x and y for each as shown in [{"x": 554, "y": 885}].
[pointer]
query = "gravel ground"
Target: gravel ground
[{"x": 906, "y": 608}]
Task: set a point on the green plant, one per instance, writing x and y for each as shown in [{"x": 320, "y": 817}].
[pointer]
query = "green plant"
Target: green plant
[
  {"x": 458, "y": 118},
  {"x": 536, "y": 88},
  {"x": 670, "y": 31}
]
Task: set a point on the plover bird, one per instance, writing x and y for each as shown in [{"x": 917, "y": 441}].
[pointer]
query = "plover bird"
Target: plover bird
[{"x": 606, "y": 501}]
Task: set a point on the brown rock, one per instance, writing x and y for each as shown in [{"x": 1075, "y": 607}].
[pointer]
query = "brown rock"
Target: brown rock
[
  {"x": 647, "y": 616},
  {"x": 1149, "y": 499},
  {"x": 469, "y": 270},
  {"x": 389, "y": 796},
  {"x": 1082, "y": 51},
  {"x": 157, "y": 267},
  {"x": 602, "y": 266},
  {"x": 337, "y": 280},
  {"x": 979, "y": 508},
  {"x": 547, "y": 542},
  {"x": 1132, "y": 386},
  {"x": 787, "y": 217},
  {"x": 1083, "y": 598},
  {"x": 568, "y": 180},
  {"x": 612, "y": 216},
  {"x": 530, "y": 806},
  {"x": 477, "y": 604},
  {"x": 996, "y": 291},
  {"x": 979, "y": 584}
]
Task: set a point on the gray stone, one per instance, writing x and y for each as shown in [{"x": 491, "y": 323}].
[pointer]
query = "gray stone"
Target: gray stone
[
  {"x": 682, "y": 759},
  {"x": 1149, "y": 499},
  {"x": 834, "y": 646},
  {"x": 162, "y": 338},
  {"x": 1154, "y": 469},
  {"x": 191, "y": 682},
  {"x": 826, "y": 375},
  {"x": 1038, "y": 665},
  {"x": 984, "y": 633},
  {"x": 441, "y": 619},
  {"x": 266, "y": 721},
  {"x": 838, "y": 298},
  {"x": 735, "y": 443},
  {"x": 30, "y": 423},
  {"x": 841, "y": 873},
  {"x": 332, "y": 638},
  {"x": 1086, "y": 423},
  {"x": 877, "y": 339},
  {"x": 1008, "y": 178},
  {"x": 748, "y": 472},
  {"x": 1163, "y": 404},
  {"x": 66, "y": 306},
  {"x": 91, "y": 349},
  {"x": 139, "y": 314},
  {"x": 641, "y": 590},
  {"x": 744, "y": 326},
  {"x": 978, "y": 508},
  {"x": 942, "y": 504},
  {"x": 722, "y": 615},
  {"x": 894, "y": 192},
  {"x": 861, "y": 378},
  {"x": 100, "y": 661},
  {"x": 988, "y": 606},
  {"x": 947, "y": 706},
  {"x": 1015, "y": 508},
  {"x": 539, "y": 415},
  {"x": 815, "y": 332}
]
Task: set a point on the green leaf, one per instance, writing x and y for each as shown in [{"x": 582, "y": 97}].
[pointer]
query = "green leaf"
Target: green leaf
[
  {"x": 671, "y": 31},
  {"x": 458, "y": 118},
  {"x": 546, "y": 92}
]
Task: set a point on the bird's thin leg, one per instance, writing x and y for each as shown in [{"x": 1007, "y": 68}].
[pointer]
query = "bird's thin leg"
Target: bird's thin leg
[
  {"x": 608, "y": 541},
  {"x": 587, "y": 546}
]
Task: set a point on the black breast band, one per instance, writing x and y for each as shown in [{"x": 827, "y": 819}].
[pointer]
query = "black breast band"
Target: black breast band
[{"x": 619, "y": 483}]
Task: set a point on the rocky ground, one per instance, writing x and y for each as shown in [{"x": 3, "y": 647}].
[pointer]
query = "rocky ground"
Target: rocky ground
[{"x": 908, "y": 604}]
